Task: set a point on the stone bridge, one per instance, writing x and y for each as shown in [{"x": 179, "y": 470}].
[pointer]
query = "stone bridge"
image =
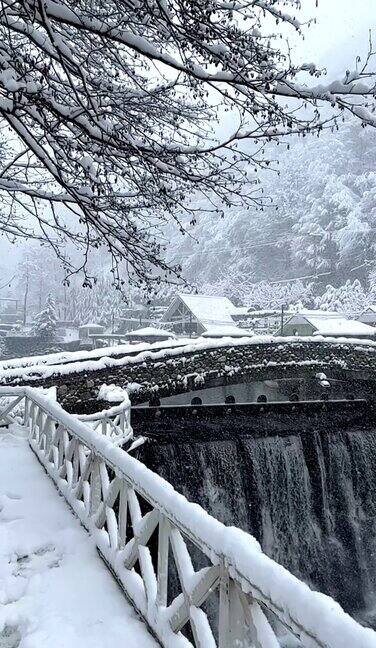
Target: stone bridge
[{"x": 162, "y": 373}]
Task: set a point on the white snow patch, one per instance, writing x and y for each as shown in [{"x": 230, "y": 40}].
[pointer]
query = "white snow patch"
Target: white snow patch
[
  {"x": 226, "y": 332},
  {"x": 113, "y": 394}
]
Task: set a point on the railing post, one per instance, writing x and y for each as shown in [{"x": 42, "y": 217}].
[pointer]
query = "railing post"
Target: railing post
[
  {"x": 123, "y": 513},
  {"x": 233, "y": 630},
  {"x": 75, "y": 464},
  {"x": 26, "y": 412},
  {"x": 163, "y": 546},
  {"x": 95, "y": 487},
  {"x": 122, "y": 421},
  {"x": 224, "y": 609},
  {"x": 49, "y": 428}
]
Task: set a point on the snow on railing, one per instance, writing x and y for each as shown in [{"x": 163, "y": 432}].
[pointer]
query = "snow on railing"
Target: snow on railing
[
  {"x": 146, "y": 531},
  {"x": 114, "y": 422}
]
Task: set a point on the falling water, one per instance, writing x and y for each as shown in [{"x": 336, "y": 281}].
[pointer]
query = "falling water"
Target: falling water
[{"x": 310, "y": 500}]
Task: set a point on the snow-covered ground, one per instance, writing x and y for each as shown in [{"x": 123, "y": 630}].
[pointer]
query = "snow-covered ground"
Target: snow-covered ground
[{"x": 55, "y": 592}]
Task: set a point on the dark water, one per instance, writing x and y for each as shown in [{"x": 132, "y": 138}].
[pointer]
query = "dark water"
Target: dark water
[{"x": 309, "y": 499}]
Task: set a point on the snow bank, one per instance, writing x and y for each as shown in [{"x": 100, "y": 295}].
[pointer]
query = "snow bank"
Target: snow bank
[
  {"x": 150, "y": 331},
  {"x": 74, "y": 356}
]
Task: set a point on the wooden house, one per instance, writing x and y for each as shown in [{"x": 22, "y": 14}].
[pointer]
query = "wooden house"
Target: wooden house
[{"x": 195, "y": 314}]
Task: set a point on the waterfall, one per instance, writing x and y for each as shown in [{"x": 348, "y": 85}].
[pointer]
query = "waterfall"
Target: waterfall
[{"x": 309, "y": 498}]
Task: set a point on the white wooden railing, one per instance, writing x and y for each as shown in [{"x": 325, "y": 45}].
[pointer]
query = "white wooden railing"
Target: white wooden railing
[
  {"x": 114, "y": 422},
  {"x": 145, "y": 530}
]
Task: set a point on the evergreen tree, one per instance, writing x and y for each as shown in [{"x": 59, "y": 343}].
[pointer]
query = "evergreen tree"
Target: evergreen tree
[
  {"x": 322, "y": 218},
  {"x": 46, "y": 321},
  {"x": 98, "y": 304}
]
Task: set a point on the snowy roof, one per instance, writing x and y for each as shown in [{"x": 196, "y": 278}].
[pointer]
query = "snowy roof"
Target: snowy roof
[
  {"x": 341, "y": 327},
  {"x": 319, "y": 313},
  {"x": 149, "y": 331},
  {"x": 226, "y": 331},
  {"x": 335, "y": 325},
  {"x": 207, "y": 309},
  {"x": 292, "y": 313},
  {"x": 239, "y": 310},
  {"x": 371, "y": 308},
  {"x": 92, "y": 325},
  {"x": 264, "y": 313}
]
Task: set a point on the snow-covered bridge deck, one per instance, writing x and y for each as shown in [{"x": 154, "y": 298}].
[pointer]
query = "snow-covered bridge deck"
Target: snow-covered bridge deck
[{"x": 55, "y": 591}]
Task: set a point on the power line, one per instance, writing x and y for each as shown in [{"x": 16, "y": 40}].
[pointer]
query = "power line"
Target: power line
[
  {"x": 313, "y": 276},
  {"x": 7, "y": 283}
]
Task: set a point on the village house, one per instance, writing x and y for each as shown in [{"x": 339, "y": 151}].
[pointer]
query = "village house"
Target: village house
[
  {"x": 86, "y": 330},
  {"x": 327, "y": 324},
  {"x": 368, "y": 316},
  {"x": 193, "y": 315}
]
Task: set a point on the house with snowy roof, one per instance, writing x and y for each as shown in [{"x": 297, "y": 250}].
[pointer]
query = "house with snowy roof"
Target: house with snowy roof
[
  {"x": 91, "y": 328},
  {"x": 368, "y": 316},
  {"x": 326, "y": 324},
  {"x": 196, "y": 314}
]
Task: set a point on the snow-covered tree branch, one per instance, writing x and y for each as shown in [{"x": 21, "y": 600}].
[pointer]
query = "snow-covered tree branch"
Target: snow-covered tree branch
[{"x": 110, "y": 116}]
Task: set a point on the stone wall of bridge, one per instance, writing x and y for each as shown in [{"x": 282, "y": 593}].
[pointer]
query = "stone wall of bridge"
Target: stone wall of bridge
[{"x": 153, "y": 375}]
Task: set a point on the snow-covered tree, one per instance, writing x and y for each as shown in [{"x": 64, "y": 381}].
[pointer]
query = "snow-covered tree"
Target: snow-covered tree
[
  {"x": 111, "y": 106},
  {"x": 99, "y": 304},
  {"x": 321, "y": 225},
  {"x": 46, "y": 321},
  {"x": 262, "y": 295},
  {"x": 372, "y": 283},
  {"x": 350, "y": 298},
  {"x": 335, "y": 230},
  {"x": 38, "y": 275}
]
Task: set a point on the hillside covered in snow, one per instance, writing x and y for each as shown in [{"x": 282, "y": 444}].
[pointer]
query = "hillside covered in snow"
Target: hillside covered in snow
[{"x": 318, "y": 219}]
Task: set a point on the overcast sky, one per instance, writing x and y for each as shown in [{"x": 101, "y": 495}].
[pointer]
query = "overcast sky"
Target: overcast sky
[{"x": 341, "y": 32}]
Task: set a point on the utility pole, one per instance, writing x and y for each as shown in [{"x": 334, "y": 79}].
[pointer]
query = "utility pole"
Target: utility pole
[
  {"x": 332, "y": 259},
  {"x": 65, "y": 303},
  {"x": 282, "y": 317},
  {"x": 25, "y": 296}
]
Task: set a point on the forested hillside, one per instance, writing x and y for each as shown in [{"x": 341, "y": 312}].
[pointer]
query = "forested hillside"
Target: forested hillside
[{"x": 320, "y": 219}]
